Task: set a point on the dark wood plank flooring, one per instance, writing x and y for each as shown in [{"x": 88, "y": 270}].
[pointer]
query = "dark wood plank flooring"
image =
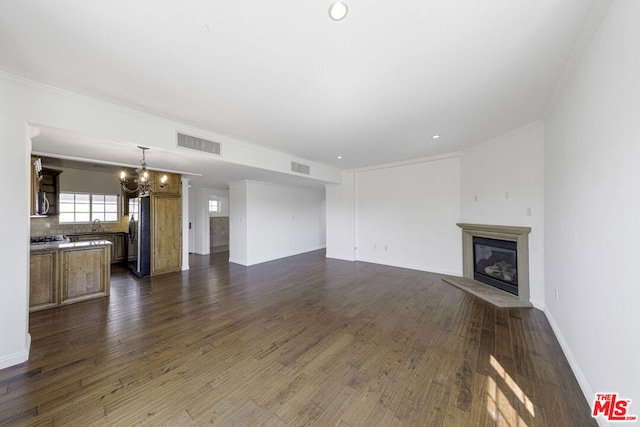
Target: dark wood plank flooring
[{"x": 299, "y": 341}]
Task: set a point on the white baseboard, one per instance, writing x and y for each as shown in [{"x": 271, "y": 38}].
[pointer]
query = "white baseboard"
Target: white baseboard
[
  {"x": 238, "y": 261},
  {"x": 17, "y": 358},
  {"x": 273, "y": 257},
  {"x": 412, "y": 267},
  {"x": 340, "y": 256},
  {"x": 540, "y": 305},
  {"x": 587, "y": 391},
  {"x": 202, "y": 252}
]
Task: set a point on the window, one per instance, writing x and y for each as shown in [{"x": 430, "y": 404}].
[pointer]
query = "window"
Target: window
[
  {"x": 77, "y": 207},
  {"x": 133, "y": 208},
  {"x": 214, "y": 205}
]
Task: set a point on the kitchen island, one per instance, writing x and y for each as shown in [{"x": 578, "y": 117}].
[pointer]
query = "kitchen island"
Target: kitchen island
[
  {"x": 119, "y": 240},
  {"x": 68, "y": 272}
]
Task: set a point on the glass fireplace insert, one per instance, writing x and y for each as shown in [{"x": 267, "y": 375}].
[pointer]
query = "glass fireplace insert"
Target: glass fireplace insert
[{"x": 495, "y": 262}]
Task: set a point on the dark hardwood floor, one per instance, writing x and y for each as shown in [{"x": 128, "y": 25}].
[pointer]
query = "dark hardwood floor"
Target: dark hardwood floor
[{"x": 299, "y": 341}]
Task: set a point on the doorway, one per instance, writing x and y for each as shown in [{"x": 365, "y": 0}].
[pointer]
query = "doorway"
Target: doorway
[
  {"x": 219, "y": 233},
  {"x": 218, "y": 223}
]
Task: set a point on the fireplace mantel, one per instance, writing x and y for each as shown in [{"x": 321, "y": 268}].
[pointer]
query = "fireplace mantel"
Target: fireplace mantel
[
  {"x": 496, "y": 229},
  {"x": 520, "y": 235}
]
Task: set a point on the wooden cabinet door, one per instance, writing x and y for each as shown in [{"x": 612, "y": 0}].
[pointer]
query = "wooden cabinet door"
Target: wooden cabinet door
[
  {"x": 118, "y": 247},
  {"x": 174, "y": 182},
  {"x": 85, "y": 273},
  {"x": 42, "y": 280},
  {"x": 166, "y": 233}
]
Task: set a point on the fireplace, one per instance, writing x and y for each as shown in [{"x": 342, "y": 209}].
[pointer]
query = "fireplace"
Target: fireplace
[{"x": 495, "y": 262}]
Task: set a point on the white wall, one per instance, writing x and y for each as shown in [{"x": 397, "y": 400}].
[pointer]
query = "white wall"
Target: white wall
[
  {"x": 186, "y": 237},
  {"x": 274, "y": 221},
  {"x": 14, "y": 254},
  {"x": 592, "y": 202},
  {"x": 83, "y": 181},
  {"x": 238, "y": 207},
  {"x": 406, "y": 216},
  {"x": 503, "y": 184},
  {"x": 412, "y": 208},
  {"x": 340, "y": 218},
  {"x": 192, "y": 218}
]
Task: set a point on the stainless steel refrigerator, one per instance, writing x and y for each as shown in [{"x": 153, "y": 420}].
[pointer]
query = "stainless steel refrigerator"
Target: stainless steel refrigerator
[{"x": 143, "y": 231}]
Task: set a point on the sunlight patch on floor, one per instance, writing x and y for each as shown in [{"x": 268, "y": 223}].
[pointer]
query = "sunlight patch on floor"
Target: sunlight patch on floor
[{"x": 498, "y": 404}]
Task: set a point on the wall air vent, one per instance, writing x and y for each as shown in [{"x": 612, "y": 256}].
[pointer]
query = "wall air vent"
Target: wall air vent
[
  {"x": 300, "y": 168},
  {"x": 199, "y": 144}
]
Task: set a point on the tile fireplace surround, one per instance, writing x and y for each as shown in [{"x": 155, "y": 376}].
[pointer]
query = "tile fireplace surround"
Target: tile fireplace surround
[{"x": 498, "y": 297}]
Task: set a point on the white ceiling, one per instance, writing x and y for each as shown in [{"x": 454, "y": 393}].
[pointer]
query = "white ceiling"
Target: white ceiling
[{"x": 372, "y": 88}]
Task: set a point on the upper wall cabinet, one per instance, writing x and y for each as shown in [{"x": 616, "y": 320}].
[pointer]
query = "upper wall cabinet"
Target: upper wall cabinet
[
  {"x": 174, "y": 182},
  {"x": 50, "y": 186},
  {"x": 45, "y": 189},
  {"x": 34, "y": 187},
  {"x": 173, "y": 187}
]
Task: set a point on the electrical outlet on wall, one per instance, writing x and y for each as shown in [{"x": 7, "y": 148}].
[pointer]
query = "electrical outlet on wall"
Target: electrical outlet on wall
[{"x": 556, "y": 294}]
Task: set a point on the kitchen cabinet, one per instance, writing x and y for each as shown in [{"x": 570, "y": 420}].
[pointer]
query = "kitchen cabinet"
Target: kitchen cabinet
[
  {"x": 85, "y": 273},
  {"x": 50, "y": 185},
  {"x": 43, "y": 280},
  {"x": 119, "y": 251},
  {"x": 34, "y": 187},
  {"x": 47, "y": 183},
  {"x": 166, "y": 233},
  {"x": 174, "y": 182},
  {"x": 118, "y": 248},
  {"x": 64, "y": 273}
]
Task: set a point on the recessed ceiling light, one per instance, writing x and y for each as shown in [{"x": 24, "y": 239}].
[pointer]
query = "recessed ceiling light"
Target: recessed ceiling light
[
  {"x": 201, "y": 26},
  {"x": 435, "y": 136},
  {"x": 339, "y": 157},
  {"x": 338, "y": 10}
]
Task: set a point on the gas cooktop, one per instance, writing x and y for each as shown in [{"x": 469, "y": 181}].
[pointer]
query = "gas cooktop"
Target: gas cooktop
[{"x": 58, "y": 238}]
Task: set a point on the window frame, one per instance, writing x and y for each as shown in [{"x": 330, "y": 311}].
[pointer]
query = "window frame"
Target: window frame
[
  {"x": 62, "y": 204},
  {"x": 133, "y": 207},
  {"x": 217, "y": 202}
]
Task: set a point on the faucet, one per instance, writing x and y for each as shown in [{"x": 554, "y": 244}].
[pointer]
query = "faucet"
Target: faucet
[{"x": 96, "y": 225}]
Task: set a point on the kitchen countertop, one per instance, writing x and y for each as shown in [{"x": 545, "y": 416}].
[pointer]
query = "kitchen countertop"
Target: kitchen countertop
[
  {"x": 92, "y": 233},
  {"x": 42, "y": 247}
]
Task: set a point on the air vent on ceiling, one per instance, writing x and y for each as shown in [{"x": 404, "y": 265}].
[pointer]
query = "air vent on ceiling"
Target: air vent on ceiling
[
  {"x": 300, "y": 168},
  {"x": 198, "y": 144}
]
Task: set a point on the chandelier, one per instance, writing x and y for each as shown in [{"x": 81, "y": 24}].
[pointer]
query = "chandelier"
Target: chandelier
[{"x": 141, "y": 183}]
